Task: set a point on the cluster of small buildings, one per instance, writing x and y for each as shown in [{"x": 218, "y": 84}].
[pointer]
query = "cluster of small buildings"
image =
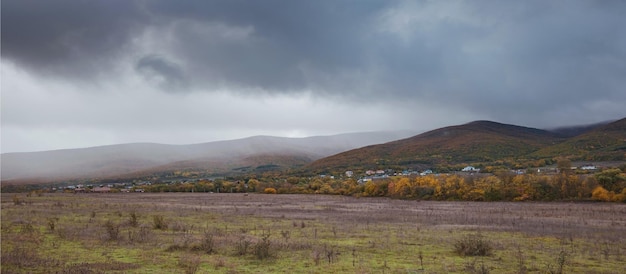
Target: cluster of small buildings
[
  {"x": 121, "y": 187},
  {"x": 384, "y": 174}
]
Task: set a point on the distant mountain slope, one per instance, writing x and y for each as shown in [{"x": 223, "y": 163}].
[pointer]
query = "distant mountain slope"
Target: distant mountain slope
[
  {"x": 573, "y": 131},
  {"x": 115, "y": 160},
  {"x": 604, "y": 143},
  {"x": 480, "y": 141}
]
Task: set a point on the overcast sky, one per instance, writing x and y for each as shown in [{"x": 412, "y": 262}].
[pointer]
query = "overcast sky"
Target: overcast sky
[{"x": 87, "y": 73}]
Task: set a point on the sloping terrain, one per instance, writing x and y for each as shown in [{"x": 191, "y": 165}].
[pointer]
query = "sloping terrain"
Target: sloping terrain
[
  {"x": 604, "y": 143},
  {"x": 573, "y": 131},
  {"x": 480, "y": 141},
  {"x": 117, "y": 160},
  {"x": 485, "y": 142}
]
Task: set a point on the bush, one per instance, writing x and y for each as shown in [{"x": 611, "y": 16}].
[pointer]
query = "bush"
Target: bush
[
  {"x": 113, "y": 230},
  {"x": 269, "y": 190},
  {"x": 189, "y": 264},
  {"x": 52, "y": 224},
  {"x": 473, "y": 245},
  {"x": 206, "y": 245},
  {"x": 158, "y": 222},
  {"x": 133, "y": 219},
  {"x": 17, "y": 200},
  {"x": 242, "y": 246},
  {"x": 262, "y": 247}
]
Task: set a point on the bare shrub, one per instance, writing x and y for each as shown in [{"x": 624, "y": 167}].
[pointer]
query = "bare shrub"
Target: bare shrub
[
  {"x": 521, "y": 261},
  {"x": 112, "y": 230},
  {"x": 143, "y": 235},
  {"x": 560, "y": 264},
  {"x": 189, "y": 264},
  {"x": 206, "y": 245},
  {"x": 17, "y": 200},
  {"x": 317, "y": 256},
  {"x": 175, "y": 247},
  {"x": 330, "y": 253},
  {"x": 133, "y": 220},
  {"x": 262, "y": 247},
  {"x": 158, "y": 222},
  {"x": 420, "y": 256},
  {"x": 27, "y": 228},
  {"x": 286, "y": 235},
  {"x": 51, "y": 224},
  {"x": 473, "y": 245},
  {"x": 21, "y": 257},
  {"x": 471, "y": 267},
  {"x": 219, "y": 262},
  {"x": 241, "y": 248},
  {"x": 179, "y": 227}
]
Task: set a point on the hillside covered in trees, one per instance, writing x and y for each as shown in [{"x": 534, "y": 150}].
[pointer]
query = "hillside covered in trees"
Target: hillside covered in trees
[{"x": 483, "y": 143}]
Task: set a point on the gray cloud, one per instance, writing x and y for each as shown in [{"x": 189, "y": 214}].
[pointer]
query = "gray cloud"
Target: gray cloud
[
  {"x": 537, "y": 63},
  {"x": 163, "y": 73},
  {"x": 74, "y": 39}
]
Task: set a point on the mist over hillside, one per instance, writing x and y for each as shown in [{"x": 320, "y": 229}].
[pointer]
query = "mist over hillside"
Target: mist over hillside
[
  {"x": 572, "y": 131},
  {"x": 113, "y": 160},
  {"x": 475, "y": 142}
]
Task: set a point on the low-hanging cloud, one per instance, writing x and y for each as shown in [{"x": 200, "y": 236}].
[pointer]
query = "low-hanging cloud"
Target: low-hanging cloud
[{"x": 166, "y": 75}]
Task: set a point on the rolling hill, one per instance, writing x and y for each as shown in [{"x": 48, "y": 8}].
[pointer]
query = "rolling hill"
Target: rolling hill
[
  {"x": 145, "y": 158},
  {"x": 481, "y": 142},
  {"x": 603, "y": 143}
]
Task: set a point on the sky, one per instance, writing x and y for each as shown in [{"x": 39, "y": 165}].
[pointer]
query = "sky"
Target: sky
[{"x": 80, "y": 73}]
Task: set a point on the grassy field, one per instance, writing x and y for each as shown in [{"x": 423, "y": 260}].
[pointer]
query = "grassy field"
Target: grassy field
[{"x": 258, "y": 233}]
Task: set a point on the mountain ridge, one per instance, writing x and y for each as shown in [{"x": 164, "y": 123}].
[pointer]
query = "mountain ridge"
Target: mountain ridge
[
  {"x": 474, "y": 142},
  {"x": 477, "y": 142},
  {"x": 117, "y": 160}
]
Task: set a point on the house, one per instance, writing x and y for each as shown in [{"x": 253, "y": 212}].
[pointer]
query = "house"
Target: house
[
  {"x": 426, "y": 172},
  {"x": 588, "y": 167},
  {"x": 470, "y": 169}
]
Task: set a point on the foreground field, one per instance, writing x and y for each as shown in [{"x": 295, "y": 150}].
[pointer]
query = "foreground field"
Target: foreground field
[{"x": 257, "y": 233}]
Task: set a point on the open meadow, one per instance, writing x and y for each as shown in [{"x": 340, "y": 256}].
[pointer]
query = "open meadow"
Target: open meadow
[{"x": 264, "y": 233}]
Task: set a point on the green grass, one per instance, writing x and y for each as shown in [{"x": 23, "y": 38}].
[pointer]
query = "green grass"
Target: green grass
[{"x": 357, "y": 235}]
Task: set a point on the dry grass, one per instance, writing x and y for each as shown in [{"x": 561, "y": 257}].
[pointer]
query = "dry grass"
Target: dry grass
[{"x": 234, "y": 233}]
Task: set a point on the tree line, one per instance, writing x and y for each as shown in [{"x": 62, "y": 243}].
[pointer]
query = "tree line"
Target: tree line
[{"x": 608, "y": 185}]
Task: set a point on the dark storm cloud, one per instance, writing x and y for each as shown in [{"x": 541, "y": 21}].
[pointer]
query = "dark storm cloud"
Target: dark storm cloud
[
  {"x": 497, "y": 58},
  {"x": 165, "y": 74},
  {"x": 67, "y": 38}
]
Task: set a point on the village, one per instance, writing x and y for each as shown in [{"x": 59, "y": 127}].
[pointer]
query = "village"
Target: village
[{"x": 193, "y": 184}]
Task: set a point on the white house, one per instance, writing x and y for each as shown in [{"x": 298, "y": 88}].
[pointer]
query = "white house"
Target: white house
[
  {"x": 588, "y": 167},
  {"x": 470, "y": 169},
  {"x": 426, "y": 172}
]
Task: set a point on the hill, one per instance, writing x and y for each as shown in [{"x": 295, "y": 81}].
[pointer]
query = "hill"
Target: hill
[
  {"x": 479, "y": 141},
  {"x": 145, "y": 158},
  {"x": 603, "y": 143},
  {"x": 573, "y": 131}
]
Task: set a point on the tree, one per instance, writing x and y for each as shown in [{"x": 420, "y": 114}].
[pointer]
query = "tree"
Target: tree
[
  {"x": 253, "y": 184},
  {"x": 612, "y": 179},
  {"x": 564, "y": 165},
  {"x": 601, "y": 194}
]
